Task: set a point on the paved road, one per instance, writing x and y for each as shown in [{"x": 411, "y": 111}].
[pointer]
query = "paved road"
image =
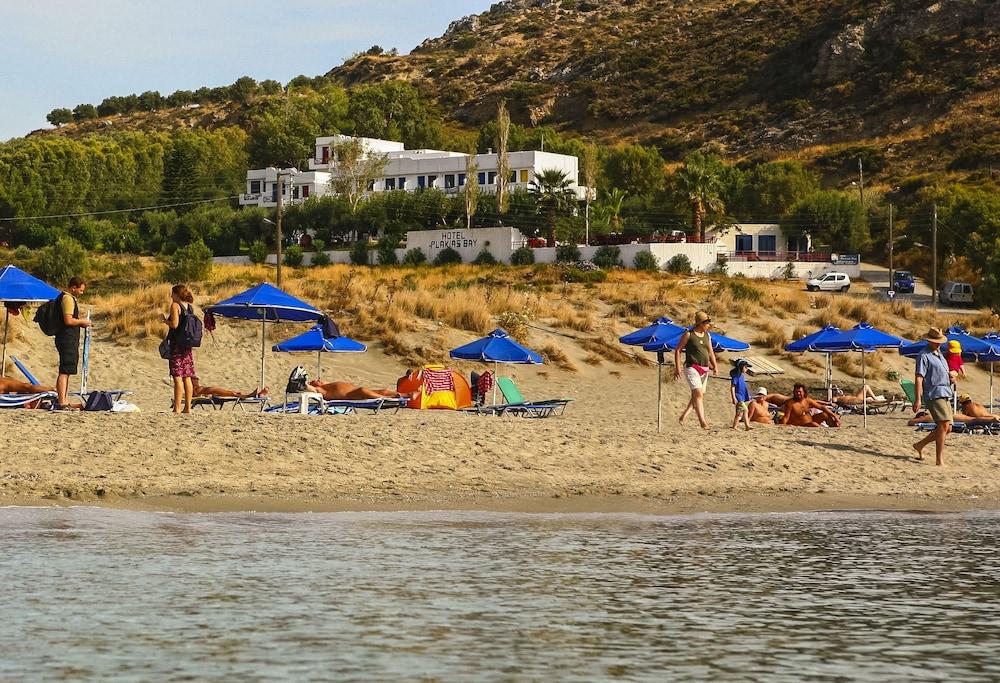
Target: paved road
[{"x": 878, "y": 278}]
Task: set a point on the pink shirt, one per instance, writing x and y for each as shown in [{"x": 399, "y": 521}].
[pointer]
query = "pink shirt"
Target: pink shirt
[{"x": 954, "y": 362}]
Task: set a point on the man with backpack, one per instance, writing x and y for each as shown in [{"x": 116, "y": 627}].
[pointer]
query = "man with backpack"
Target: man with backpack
[{"x": 67, "y": 326}]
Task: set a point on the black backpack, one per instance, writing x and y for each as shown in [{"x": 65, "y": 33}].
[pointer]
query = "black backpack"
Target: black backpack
[
  {"x": 297, "y": 381},
  {"x": 99, "y": 401},
  {"x": 49, "y": 316},
  {"x": 190, "y": 330}
]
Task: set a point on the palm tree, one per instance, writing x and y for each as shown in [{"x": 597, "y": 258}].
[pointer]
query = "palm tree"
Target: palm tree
[
  {"x": 553, "y": 195},
  {"x": 699, "y": 184}
]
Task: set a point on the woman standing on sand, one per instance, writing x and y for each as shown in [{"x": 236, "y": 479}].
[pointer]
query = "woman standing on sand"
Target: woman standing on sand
[
  {"x": 181, "y": 358},
  {"x": 699, "y": 360}
]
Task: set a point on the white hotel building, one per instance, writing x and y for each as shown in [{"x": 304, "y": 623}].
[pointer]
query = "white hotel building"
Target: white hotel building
[{"x": 407, "y": 169}]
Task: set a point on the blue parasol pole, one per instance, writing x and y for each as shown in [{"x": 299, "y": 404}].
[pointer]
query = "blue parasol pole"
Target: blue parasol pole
[
  {"x": 6, "y": 325},
  {"x": 85, "y": 375}
]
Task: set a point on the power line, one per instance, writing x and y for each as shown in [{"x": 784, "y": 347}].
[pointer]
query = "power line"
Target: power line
[{"x": 113, "y": 211}]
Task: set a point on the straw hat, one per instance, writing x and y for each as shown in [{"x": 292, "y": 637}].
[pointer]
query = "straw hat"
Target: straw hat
[
  {"x": 935, "y": 336},
  {"x": 702, "y": 317}
]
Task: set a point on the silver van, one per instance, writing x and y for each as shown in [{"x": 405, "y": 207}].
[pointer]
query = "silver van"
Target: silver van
[{"x": 956, "y": 293}]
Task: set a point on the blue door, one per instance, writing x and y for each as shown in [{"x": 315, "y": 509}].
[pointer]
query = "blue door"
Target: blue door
[
  {"x": 744, "y": 243},
  {"x": 766, "y": 244}
]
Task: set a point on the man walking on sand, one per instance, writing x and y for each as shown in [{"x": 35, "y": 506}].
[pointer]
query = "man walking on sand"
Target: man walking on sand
[
  {"x": 933, "y": 390},
  {"x": 68, "y": 338},
  {"x": 699, "y": 360}
]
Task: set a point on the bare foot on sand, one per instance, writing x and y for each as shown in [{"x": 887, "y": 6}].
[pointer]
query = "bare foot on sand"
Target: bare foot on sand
[
  {"x": 920, "y": 451},
  {"x": 260, "y": 393}
]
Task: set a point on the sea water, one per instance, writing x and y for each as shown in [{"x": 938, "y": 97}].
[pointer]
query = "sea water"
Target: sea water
[{"x": 93, "y": 594}]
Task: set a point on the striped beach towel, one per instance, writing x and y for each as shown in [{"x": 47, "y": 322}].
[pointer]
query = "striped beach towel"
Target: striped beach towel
[{"x": 438, "y": 380}]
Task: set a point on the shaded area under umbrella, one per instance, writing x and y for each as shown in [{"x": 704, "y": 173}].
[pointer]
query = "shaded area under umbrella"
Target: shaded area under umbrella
[
  {"x": 313, "y": 340},
  {"x": 663, "y": 328},
  {"x": 496, "y": 347},
  {"x": 808, "y": 344},
  {"x": 17, "y": 288}
]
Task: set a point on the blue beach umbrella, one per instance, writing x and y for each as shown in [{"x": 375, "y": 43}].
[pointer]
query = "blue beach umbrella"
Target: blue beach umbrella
[
  {"x": 17, "y": 288},
  {"x": 314, "y": 340},
  {"x": 496, "y": 347},
  {"x": 863, "y": 338},
  {"x": 662, "y": 328},
  {"x": 808, "y": 342},
  {"x": 720, "y": 343},
  {"x": 972, "y": 347},
  {"x": 265, "y": 303},
  {"x": 993, "y": 339}
]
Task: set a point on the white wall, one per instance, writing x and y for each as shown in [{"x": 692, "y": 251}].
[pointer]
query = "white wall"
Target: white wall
[{"x": 804, "y": 270}]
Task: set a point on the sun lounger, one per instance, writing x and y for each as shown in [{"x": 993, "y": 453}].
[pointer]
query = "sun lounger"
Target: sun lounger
[
  {"x": 220, "y": 402},
  {"x": 116, "y": 394},
  {"x": 910, "y": 391},
  {"x": 517, "y": 405},
  {"x": 25, "y": 400},
  {"x": 343, "y": 407},
  {"x": 990, "y": 427}
]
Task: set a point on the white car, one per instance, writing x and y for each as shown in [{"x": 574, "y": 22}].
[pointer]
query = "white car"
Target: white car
[
  {"x": 957, "y": 293},
  {"x": 830, "y": 282}
]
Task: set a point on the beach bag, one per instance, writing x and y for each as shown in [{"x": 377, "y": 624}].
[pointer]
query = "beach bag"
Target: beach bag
[
  {"x": 190, "y": 331},
  {"x": 297, "y": 381},
  {"x": 99, "y": 400},
  {"x": 330, "y": 328},
  {"x": 165, "y": 349},
  {"x": 49, "y": 316}
]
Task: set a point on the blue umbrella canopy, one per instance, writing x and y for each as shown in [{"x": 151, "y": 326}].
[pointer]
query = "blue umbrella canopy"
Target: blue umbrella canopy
[
  {"x": 496, "y": 347},
  {"x": 719, "y": 343},
  {"x": 265, "y": 302},
  {"x": 861, "y": 337},
  {"x": 973, "y": 348},
  {"x": 662, "y": 328},
  {"x": 313, "y": 340},
  {"x": 992, "y": 338},
  {"x": 807, "y": 342},
  {"x": 18, "y": 286}
]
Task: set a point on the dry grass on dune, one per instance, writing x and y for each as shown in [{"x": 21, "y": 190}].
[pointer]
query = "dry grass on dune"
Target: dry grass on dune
[{"x": 553, "y": 354}]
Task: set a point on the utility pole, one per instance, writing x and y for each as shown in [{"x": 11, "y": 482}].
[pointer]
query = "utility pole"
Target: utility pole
[
  {"x": 892, "y": 273},
  {"x": 934, "y": 294},
  {"x": 861, "y": 181},
  {"x": 277, "y": 226}
]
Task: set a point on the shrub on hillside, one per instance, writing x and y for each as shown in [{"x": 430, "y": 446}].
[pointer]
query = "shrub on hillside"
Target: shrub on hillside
[
  {"x": 485, "y": 258},
  {"x": 257, "y": 252},
  {"x": 447, "y": 256},
  {"x": 359, "y": 253},
  {"x": 414, "y": 257},
  {"x": 567, "y": 253},
  {"x": 386, "y": 252},
  {"x": 320, "y": 257},
  {"x": 189, "y": 264},
  {"x": 679, "y": 265},
  {"x": 293, "y": 256},
  {"x": 608, "y": 257},
  {"x": 61, "y": 261},
  {"x": 644, "y": 260},
  {"x": 742, "y": 291},
  {"x": 523, "y": 256}
]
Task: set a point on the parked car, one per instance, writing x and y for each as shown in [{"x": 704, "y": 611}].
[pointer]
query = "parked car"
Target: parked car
[
  {"x": 830, "y": 282},
  {"x": 902, "y": 282},
  {"x": 956, "y": 293}
]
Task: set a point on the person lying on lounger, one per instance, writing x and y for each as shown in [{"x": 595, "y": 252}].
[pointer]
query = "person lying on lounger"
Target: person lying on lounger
[
  {"x": 219, "y": 392},
  {"x": 802, "y": 411},
  {"x": 345, "y": 391},
  {"x": 976, "y": 411},
  {"x": 848, "y": 400},
  {"x": 13, "y": 386},
  {"x": 924, "y": 417}
]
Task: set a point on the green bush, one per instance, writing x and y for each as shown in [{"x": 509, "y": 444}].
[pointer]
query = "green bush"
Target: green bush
[
  {"x": 573, "y": 274},
  {"x": 414, "y": 257},
  {"x": 523, "y": 256},
  {"x": 189, "y": 264},
  {"x": 741, "y": 291},
  {"x": 257, "y": 252},
  {"x": 485, "y": 258},
  {"x": 567, "y": 253},
  {"x": 293, "y": 256},
  {"x": 788, "y": 272},
  {"x": 386, "y": 252},
  {"x": 24, "y": 258},
  {"x": 320, "y": 257},
  {"x": 644, "y": 260},
  {"x": 679, "y": 265},
  {"x": 359, "y": 253},
  {"x": 608, "y": 257},
  {"x": 721, "y": 265},
  {"x": 447, "y": 256},
  {"x": 61, "y": 261}
]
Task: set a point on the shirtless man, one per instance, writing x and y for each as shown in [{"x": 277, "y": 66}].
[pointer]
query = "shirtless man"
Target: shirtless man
[
  {"x": 758, "y": 410},
  {"x": 799, "y": 411},
  {"x": 976, "y": 411},
  {"x": 345, "y": 391},
  {"x": 219, "y": 392},
  {"x": 859, "y": 398},
  {"x": 924, "y": 417},
  {"x": 13, "y": 386}
]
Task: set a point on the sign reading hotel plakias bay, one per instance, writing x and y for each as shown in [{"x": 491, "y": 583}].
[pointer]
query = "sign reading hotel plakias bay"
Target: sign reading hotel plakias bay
[
  {"x": 456, "y": 239},
  {"x": 500, "y": 242}
]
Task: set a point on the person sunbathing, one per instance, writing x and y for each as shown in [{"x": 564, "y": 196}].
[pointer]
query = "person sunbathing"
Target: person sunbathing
[
  {"x": 758, "y": 411},
  {"x": 802, "y": 411},
  {"x": 13, "y": 386},
  {"x": 865, "y": 393},
  {"x": 924, "y": 417},
  {"x": 219, "y": 392},
  {"x": 976, "y": 411},
  {"x": 345, "y": 391}
]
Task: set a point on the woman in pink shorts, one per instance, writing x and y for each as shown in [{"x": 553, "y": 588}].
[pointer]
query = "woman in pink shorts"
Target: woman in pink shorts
[{"x": 699, "y": 361}]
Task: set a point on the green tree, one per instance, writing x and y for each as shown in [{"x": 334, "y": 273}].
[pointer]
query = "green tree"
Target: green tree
[
  {"x": 634, "y": 169},
  {"x": 59, "y": 117},
  {"x": 831, "y": 218},
  {"x": 181, "y": 182},
  {"x": 84, "y": 112},
  {"x": 552, "y": 192},
  {"x": 353, "y": 169},
  {"x": 771, "y": 189},
  {"x": 699, "y": 185}
]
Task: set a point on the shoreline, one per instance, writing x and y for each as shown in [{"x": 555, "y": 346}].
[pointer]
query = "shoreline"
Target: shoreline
[{"x": 689, "y": 504}]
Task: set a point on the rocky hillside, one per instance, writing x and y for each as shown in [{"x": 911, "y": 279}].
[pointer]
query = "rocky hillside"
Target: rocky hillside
[{"x": 757, "y": 77}]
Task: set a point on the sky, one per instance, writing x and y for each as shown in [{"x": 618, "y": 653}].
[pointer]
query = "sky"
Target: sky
[{"x": 60, "y": 53}]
